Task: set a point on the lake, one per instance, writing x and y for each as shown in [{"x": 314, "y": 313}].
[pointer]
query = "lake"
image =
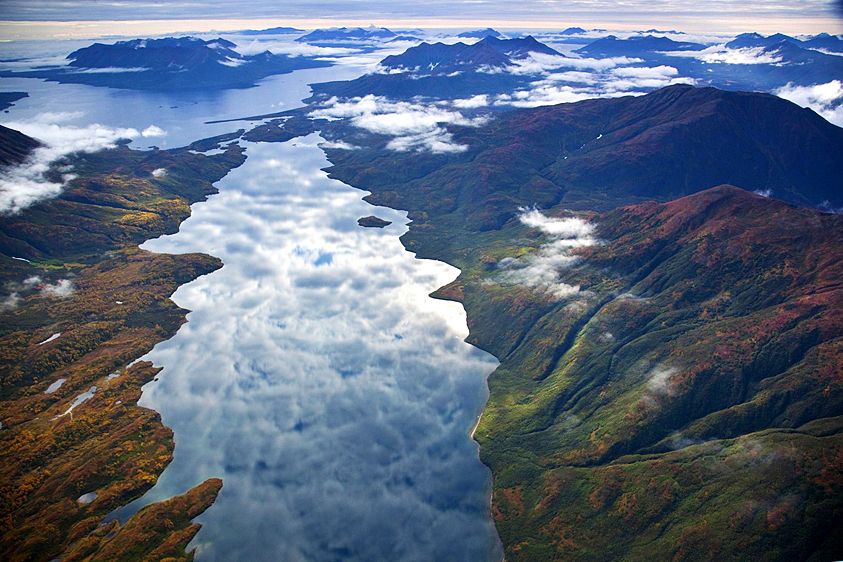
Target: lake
[{"x": 315, "y": 375}]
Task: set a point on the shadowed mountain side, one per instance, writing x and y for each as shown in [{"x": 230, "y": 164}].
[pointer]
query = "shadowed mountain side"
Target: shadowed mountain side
[
  {"x": 170, "y": 63},
  {"x": 15, "y": 146},
  {"x": 598, "y": 154}
]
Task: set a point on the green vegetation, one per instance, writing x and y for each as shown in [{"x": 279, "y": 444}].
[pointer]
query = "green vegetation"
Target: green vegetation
[{"x": 687, "y": 402}]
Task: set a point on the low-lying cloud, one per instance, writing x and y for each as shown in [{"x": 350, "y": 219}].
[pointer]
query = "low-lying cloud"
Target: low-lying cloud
[
  {"x": 414, "y": 126},
  {"x": 826, "y": 99},
  {"x": 541, "y": 269},
  {"x": 720, "y": 54},
  {"x": 610, "y": 77},
  {"x": 24, "y": 184}
]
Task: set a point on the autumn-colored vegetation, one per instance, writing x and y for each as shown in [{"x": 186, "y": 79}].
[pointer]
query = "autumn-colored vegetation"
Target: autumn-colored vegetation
[{"x": 75, "y": 316}]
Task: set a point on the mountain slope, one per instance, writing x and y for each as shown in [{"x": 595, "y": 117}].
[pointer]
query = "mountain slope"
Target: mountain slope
[
  {"x": 689, "y": 402},
  {"x": 15, "y": 146},
  {"x": 598, "y": 154},
  {"x": 443, "y": 71},
  {"x": 682, "y": 397},
  {"x": 487, "y": 54},
  {"x": 612, "y": 46}
]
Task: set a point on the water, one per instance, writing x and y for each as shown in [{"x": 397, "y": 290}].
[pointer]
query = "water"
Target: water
[{"x": 315, "y": 375}]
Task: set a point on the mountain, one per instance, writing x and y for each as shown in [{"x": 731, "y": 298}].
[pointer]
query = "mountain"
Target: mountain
[
  {"x": 681, "y": 397},
  {"x": 612, "y": 46},
  {"x": 346, "y": 34},
  {"x": 488, "y": 53},
  {"x": 15, "y": 146},
  {"x": 832, "y": 43},
  {"x": 745, "y": 40},
  {"x": 572, "y": 31},
  {"x": 824, "y": 41},
  {"x": 171, "y": 63},
  {"x": 482, "y": 33},
  {"x": 440, "y": 70},
  {"x": 601, "y": 153},
  {"x": 271, "y": 31},
  {"x": 687, "y": 401}
]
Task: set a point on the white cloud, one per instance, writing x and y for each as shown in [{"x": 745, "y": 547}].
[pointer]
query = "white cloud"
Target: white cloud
[
  {"x": 153, "y": 131},
  {"x": 541, "y": 269},
  {"x": 437, "y": 141},
  {"x": 539, "y": 63},
  {"x": 159, "y": 172},
  {"x": 720, "y": 54},
  {"x": 292, "y": 48},
  {"x": 826, "y": 99},
  {"x": 415, "y": 126},
  {"x": 472, "y": 102},
  {"x": 338, "y": 145},
  {"x": 24, "y": 184},
  {"x": 662, "y": 71},
  {"x": 61, "y": 289},
  {"x": 659, "y": 384},
  {"x": 10, "y": 301}
]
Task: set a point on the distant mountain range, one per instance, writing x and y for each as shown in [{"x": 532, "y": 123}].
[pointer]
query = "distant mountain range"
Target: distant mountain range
[
  {"x": 488, "y": 53},
  {"x": 172, "y": 63},
  {"x": 271, "y": 31},
  {"x": 338, "y": 35},
  {"x": 482, "y": 33},
  {"x": 444, "y": 70},
  {"x": 635, "y": 46},
  {"x": 823, "y": 41}
]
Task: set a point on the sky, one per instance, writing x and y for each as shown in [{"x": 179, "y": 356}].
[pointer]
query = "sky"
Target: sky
[{"x": 22, "y": 18}]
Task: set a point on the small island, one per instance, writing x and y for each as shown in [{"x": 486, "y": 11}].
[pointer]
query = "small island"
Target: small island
[{"x": 373, "y": 222}]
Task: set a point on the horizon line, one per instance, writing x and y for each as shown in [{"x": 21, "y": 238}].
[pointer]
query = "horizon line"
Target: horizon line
[{"x": 83, "y": 29}]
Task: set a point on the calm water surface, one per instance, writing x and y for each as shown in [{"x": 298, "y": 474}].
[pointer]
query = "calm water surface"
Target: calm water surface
[{"x": 315, "y": 375}]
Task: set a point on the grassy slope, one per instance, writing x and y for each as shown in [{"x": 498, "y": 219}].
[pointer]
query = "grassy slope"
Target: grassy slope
[
  {"x": 89, "y": 235},
  {"x": 730, "y": 300}
]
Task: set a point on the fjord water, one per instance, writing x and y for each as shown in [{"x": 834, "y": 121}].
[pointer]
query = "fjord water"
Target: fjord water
[{"x": 315, "y": 375}]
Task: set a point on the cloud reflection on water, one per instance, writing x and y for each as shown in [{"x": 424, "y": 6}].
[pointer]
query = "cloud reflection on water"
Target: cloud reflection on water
[{"x": 332, "y": 395}]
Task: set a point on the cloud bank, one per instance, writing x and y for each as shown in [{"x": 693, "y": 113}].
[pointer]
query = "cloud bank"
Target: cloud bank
[
  {"x": 541, "y": 269},
  {"x": 25, "y": 184},
  {"x": 413, "y": 126},
  {"x": 826, "y": 99}
]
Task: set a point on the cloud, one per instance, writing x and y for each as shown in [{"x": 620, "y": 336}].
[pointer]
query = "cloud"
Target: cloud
[
  {"x": 153, "y": 131},
  {"x": 436, "y": 140},
  {"x": 631, "y": 78},
  {"x": 472, "y": 102},
  {"x": 659, "y": 384},
  {"x": 414, "y": 126},
  {"x": 63, "y": 288},
  {"x": 159, "y": 172},
  {"x": 292, "y": 48},
  {"x": 338, "y": 145},
  {"x": 605, "y": 80},
  {"x": 826, "y": 99},
  {"x": 720, "y": 54},
  {"x": 537, "y": 63},
  {"x": 25, "y": 184},
  {"x": 541, "y": 269}
]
